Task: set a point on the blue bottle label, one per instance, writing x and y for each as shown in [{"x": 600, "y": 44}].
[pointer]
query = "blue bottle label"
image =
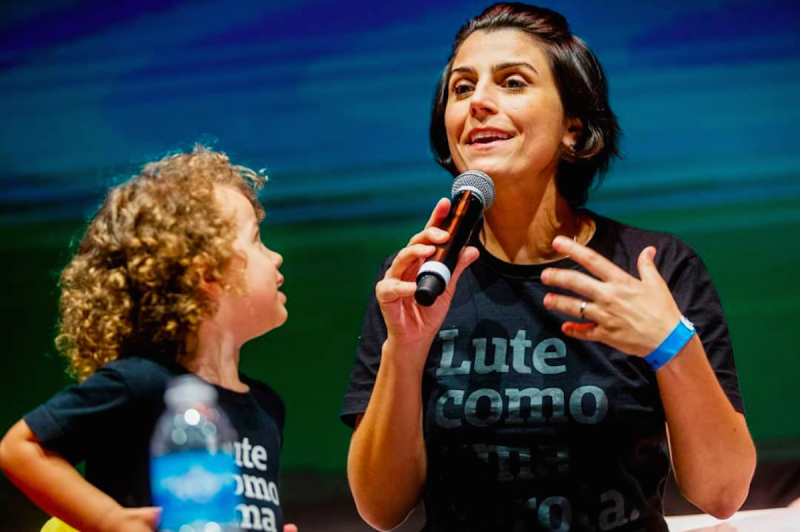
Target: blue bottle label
[{"x": 194, "y": 487}]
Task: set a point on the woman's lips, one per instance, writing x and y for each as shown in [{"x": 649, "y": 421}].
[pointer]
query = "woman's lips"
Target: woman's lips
[
  {"x": 487, "y": 138},
  {"x": 481, "y": 146}
]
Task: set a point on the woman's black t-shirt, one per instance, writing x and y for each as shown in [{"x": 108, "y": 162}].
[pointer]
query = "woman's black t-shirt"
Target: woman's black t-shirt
[{"x": 528, "y": 429}]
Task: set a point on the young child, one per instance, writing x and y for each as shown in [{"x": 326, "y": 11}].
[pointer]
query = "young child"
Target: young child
[{"x": 171, "y": 277}]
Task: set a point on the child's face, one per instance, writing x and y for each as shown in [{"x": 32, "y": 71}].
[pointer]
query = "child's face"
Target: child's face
[{"x": 258, "y": 306}]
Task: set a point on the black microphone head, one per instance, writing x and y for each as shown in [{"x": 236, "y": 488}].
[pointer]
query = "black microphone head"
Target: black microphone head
[
  {"x": 478, "y": 182},
  {"x": 429, "y": 287}
]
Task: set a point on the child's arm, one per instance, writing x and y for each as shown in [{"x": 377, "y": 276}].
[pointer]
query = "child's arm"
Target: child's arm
[{"x": 57, "y": 488}]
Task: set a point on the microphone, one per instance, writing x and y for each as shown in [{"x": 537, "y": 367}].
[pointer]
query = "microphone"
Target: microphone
[{"x": 473, "y": 193}]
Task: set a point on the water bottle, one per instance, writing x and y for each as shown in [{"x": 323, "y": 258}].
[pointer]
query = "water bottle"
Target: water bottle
[{"x": 192, "y": 465}]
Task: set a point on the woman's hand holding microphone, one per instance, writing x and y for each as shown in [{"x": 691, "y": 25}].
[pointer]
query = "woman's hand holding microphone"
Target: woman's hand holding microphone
[{"x": 410, "y": 325}]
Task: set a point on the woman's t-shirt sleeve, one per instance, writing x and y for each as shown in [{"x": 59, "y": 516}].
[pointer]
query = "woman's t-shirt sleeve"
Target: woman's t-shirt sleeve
[
  {"x": 699, "y": 301},
  {"x": 76, "y": 417},
  {"x": 368, "y": 358}
]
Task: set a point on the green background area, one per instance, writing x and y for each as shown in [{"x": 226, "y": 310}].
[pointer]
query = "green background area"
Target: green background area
[{"x": 330, "y": 270}]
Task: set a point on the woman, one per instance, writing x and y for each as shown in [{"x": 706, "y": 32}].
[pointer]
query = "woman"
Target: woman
[{"x": 540, "y": 391}]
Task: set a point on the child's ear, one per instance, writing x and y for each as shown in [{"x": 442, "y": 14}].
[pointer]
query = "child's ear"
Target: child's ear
[
  {"x": 207, "y": 284},
  {"x": 211, "y": 288}
]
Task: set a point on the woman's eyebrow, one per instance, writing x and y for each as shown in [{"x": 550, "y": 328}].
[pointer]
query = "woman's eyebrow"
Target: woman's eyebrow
[
  {"x": 516, "y": 64},
  {"x": 497, "y": 68},
  {"x": 464, "y": 69}
]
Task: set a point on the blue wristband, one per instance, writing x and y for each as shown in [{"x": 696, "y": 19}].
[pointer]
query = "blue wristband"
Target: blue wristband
[{"x": 673, "y": 343}]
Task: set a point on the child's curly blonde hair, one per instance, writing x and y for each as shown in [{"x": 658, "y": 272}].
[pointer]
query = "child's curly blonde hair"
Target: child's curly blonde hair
[{"x": 132, "y": 286}]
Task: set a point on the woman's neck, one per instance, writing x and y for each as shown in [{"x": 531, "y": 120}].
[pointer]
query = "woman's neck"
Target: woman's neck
[
  {"x": 524, "y": 220},
  {"x": 215, "y": 357}
]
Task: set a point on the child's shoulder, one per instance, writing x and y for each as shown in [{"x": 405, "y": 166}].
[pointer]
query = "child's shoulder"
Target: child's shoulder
[
  {"x": 141, "y": 376},
  {"x": 266, "y": 397},
  {"x": 139, "y": 367}
]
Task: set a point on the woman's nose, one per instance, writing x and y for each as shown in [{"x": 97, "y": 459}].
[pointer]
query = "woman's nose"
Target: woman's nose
[{"x": 483, "y": 101}]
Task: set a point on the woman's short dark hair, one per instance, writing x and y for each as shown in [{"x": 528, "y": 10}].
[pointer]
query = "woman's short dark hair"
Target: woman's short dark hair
[{"x": 580, "y": 82}]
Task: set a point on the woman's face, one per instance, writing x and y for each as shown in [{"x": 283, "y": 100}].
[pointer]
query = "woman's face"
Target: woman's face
[{"x": 504, "y": 113}]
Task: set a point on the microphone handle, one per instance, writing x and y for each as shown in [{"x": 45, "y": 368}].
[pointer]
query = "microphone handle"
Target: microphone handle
[
  {"x": 459, "y": 223},
  {"x": 435, "y": 273}
]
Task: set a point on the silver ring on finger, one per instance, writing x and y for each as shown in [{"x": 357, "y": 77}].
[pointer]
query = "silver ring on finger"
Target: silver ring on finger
[{"x": 583, "y": 309}]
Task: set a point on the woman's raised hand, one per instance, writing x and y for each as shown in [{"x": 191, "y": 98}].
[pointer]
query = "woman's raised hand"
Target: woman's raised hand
[
  {"x": 407, "y": 322},
  {"x": 628, "y": 314}
]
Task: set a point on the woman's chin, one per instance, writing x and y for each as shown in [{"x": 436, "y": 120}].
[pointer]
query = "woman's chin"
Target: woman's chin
[
  {"x": 495, "y": 171},
  {"x": 491, "y": 165},
  {"x": 477, "y": 165}
]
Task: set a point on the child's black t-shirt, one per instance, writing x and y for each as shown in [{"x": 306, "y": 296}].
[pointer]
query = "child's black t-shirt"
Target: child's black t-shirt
[{"x": 107, "y": 422}]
